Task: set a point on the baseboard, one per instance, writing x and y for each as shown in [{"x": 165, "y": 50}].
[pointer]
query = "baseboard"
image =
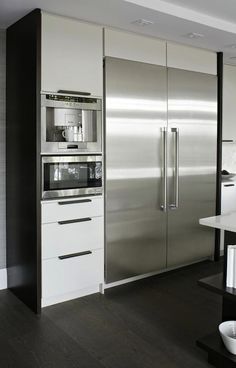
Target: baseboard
[
  {"x": 45, "y": 302},
  {"x": 155, "y": 273},
  {"x": 3, "y": 278}
]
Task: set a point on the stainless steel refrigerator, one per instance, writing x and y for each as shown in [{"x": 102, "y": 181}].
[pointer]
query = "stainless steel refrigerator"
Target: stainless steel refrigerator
[{"x": 160, "y": 156}]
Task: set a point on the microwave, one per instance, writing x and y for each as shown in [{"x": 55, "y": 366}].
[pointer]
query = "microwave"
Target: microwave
[
  {"x": 67, "y": 176},
  {"x": 70, "y": 123}
]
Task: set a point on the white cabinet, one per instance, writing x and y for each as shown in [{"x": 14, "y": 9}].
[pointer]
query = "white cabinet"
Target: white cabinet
[
  {"x": 63, "y": 210},
  {"x": 228, "y": 197},
  {"x": 72, "y": 248},
  {"x": 228, "y": 202},
  {"x": 71, "y": 55},
  {"x": 131, "y": 46},
  {"x": 70, "y": 237},
  {"x": 229, "y": 105},
  {"x": 191, "y": 58},
  {"x": 65, "y": 276}
]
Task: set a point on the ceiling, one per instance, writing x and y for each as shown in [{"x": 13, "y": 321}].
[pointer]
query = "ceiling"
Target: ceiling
[
  {"x": 216, "y": 8},
  {"x": 172, "y": 19}
]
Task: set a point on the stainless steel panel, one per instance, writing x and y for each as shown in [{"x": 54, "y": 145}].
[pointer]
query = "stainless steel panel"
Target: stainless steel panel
[
  {"x": 192, "y": 109},
  {"x": 136, "y": 112},
  {"x": 89, "y": 126},
  {"x": 50, "y": 194},
  {"x": 59, "y": 113}
]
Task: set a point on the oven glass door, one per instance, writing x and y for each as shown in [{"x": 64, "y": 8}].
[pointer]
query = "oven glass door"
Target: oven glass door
[{"x": 69, "y": 177}]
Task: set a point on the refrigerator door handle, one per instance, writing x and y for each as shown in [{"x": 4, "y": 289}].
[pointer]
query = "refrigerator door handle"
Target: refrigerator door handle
[
  {"x": 164, "y": 186},
  {"x": 175, "y": 205}
]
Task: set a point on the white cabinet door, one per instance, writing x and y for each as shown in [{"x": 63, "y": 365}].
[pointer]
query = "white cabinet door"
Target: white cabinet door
[
  {"x": 63, "y": 276},
  {"x": 229, "y": 103},
  {"x": 74, "y": 209},
  {"x": 228, "y": 197},
  {"x": 71, "y": 55},
  {"x": 191, "y": 58},
  {"x": 66, "y": 238},
  {"x": 130, "y": 46}
]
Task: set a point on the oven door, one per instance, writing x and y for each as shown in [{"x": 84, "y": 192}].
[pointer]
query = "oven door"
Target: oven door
[{"x": 64, "y": 176}]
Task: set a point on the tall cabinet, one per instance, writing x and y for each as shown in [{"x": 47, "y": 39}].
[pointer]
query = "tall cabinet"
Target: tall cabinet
[{"x": 47, "y": 53}]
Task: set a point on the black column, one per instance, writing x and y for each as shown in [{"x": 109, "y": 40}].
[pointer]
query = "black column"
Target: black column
[
  {"x": 23, "y": 159},
  {"x": 219, "y": 147}
]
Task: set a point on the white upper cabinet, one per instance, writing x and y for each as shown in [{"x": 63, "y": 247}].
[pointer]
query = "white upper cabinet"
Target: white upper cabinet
[
  {"x": 191, "y": 58},
  {"x": 130, "y": 46},
  {"x": 229, "y": 103},
  {"x": 71, "y": 55}
]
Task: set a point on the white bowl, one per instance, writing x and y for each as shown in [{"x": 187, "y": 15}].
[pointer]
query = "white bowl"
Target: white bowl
[{"x": 228, "y": 333}]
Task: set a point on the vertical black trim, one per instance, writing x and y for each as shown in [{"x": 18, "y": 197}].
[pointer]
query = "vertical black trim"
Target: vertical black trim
[
  {"x": 219, "y": 147},
  {"x": 23, "y": 159}
]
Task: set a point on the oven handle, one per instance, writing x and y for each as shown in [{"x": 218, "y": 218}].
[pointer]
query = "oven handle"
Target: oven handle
[
  {"x": 85, "y": 219},
  {"x": 74, "y": 202},
  {"x": 67, "y": 92}
]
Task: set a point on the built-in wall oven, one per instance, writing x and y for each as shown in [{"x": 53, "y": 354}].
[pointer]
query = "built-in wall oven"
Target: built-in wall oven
[
  {"x": 64, "y": 176},
  {"x": 70, "y": 123}
]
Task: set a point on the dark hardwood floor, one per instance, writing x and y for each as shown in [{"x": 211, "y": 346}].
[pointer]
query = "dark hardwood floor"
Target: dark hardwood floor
[{"x": 151, "y": 323}]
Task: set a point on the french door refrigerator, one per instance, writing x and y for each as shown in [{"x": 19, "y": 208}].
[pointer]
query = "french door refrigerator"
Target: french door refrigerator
[{"x": 160, "y": 153}]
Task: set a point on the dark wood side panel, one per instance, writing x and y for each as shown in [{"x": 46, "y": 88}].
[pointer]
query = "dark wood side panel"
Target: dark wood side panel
[
  {"x": 219, "y": 147},
  {"x": 23, "y": 159}
]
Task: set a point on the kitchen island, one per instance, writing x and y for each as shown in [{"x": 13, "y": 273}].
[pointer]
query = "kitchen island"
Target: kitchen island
[{"x": 217, "y": 354}]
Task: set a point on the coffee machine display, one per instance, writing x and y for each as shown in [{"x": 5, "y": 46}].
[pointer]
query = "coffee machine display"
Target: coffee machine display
[{"x": 70, "y": 123}]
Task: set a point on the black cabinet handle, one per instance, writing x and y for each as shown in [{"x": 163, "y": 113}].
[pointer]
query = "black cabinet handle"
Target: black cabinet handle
[
  {"x": 75, "y": 255},
  {"x": 228, "y": 185},
  {"x": 72, "y": 146},
  {"x": 73, "y": 92},
  {"x": 74, "y": 202},
  {"x": 75, "y": 220},
  {"x": 227, "y": 140}
]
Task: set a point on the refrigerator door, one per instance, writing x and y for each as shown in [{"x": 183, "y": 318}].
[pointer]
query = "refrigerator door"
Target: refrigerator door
[
  {"x": 136, "y": 112},
  {"x": 192, "y": 138}
]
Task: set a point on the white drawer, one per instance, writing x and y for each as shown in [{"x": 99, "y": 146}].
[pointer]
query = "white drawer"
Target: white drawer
[
  {"x": 71, "y": 274},
  {"x": 65, "y": 237},
  {"x": 71, "y": 209}
]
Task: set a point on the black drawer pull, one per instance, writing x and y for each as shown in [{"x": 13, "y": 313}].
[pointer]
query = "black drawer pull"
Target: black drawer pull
[
  {"x": 73, "y": 221},
  {"x": 73, "y": 92},
  {"x": 74, "y": 202},
  {"x": 75, "y": 255},
  {"x": 72, "y": 146},
  {"x": 228, "y": 185}
]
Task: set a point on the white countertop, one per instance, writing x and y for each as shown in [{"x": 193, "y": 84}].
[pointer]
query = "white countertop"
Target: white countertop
[{"x": 223, "y": 222}]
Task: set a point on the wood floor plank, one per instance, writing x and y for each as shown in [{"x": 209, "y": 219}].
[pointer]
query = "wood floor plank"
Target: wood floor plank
[{"x": 147, "y": 324}]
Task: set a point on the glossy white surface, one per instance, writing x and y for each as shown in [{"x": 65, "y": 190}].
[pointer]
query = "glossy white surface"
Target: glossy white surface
[
  {"x": 229, "y": 107},
  {"x": 71, "y": 55},
  {"x": 190, "y": 58},
  {"x": 54, "y": 212},
  {"x": 223, "y": 222},
  {"x": 130, "y": 46},
  {"x": 69, "y": 275},
  {"x": 76, "y": 276},
  {"x": 58, "y": 240},
  {"x": 228, "y": 197}
]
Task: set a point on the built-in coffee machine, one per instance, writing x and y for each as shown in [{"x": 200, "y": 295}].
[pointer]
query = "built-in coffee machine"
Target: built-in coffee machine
[{"x": 70, "y": 123}]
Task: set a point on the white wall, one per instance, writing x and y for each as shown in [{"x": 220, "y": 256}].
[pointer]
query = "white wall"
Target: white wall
[{"x": 229, "y": 119}]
